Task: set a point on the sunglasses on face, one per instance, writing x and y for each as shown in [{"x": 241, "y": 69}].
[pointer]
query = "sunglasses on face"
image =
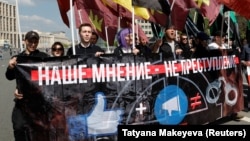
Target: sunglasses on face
[{"x": 57, "y": 49}]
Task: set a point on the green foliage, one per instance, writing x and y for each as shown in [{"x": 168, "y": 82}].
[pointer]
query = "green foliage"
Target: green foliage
[
  {"x": 206, "y": 28},
  {"x": 242, "y": 24},
  {"x": 66, "y": 45}
]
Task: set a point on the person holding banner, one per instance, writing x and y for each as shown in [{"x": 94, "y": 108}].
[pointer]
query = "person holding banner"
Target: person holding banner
[
  {"x": 19, "y": 120},
  {"x": 125, "y": 43},
  {"x": 169, "y": 48},
  {"x": 219, "y": 40},
  {"x": 57, "y": 50},
  {"x": 85, "y": 47},
  {"x": 201, "y": 49},
  {"x": 143, "y": 46},
  {"x": 184, "y": 45}
]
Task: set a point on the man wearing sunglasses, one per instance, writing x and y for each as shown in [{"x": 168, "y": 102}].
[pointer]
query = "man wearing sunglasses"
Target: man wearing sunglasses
[
  {"x": 19, "y": 121},
  {"x": 184, "y": 45}
]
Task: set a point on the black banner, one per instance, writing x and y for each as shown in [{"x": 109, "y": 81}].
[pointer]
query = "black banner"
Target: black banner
[{"x": 84, "y": 98}]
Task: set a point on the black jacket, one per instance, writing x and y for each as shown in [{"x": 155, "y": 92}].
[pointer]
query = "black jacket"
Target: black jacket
[
  {"x": 10, "y": 73},
  {"x": 167, "y": 53},
  {"x": 186, "y": 50},
  {"x": 80, "y": 50},
  {"x": 201, "y": 52}
]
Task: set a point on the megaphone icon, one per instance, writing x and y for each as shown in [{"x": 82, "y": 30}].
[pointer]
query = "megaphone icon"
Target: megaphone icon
[{"x": 171, "y": 105}]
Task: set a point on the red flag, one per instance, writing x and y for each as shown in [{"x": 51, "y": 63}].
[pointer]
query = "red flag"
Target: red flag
[
  {"x": 180, "y": 12},
  {"x": 141, "y": 33},
  {"x": 119, "y": 10},
  {"x": 64, "y": 6},
  {"x": 126, "y": 17},
  {"x": 209, "y": 9},
  {"x": 239, "y": 6},
  {"x": 138, "y": 31}
]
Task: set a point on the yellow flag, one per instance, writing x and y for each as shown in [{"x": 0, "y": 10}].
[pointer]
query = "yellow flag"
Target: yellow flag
[{"x": 138, "y": 11}]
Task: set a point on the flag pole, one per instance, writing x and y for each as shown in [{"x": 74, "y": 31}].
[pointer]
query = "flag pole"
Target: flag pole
[
  {"x": 71, "y": 26},
  {"x": 172, "y": 5},
  {"x": 228, "y": 29},
  {"x": 137, "y": 28},
  {"x": 19, "y": 27},
  {"x": 107, "y": 38},
  {"x": 222, "y": 26},
  {"x": 170, "y": 18},
  {"x": 119, "y": 18},
  {"x": 195, "y": 17},
  {"x": 133, "y": 27},
  {"x": 81, "y": 21},
  {"x": 119, "y": 24}
]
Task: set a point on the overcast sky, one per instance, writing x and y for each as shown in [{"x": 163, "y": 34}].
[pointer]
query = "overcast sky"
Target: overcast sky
[{"x": 42, "y": 15}]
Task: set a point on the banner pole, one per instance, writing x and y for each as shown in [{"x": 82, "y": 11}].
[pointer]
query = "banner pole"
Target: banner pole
[
  {"x": 71, "y": 26},
  {"x": 19, "y": 27}
]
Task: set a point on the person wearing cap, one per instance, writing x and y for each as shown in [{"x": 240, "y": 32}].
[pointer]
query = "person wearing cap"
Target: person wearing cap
[
  {"x": 218, "y": 43},
  {"x": 31, "y": 41},
  {"x": 19, "y": 121},
  {"x": 201, "y": 49}
]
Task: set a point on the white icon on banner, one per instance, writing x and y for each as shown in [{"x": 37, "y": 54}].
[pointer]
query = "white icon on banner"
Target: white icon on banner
[
  {"x": 171, "y": 105},
  {"x": 101, "y": 120}
]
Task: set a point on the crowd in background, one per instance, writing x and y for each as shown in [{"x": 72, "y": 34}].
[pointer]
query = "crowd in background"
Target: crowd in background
[{"x": 174, "y": 45}]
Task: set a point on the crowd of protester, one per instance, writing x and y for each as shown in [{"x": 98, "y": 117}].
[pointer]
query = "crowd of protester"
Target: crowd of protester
[{"x": 174, "y": 45}]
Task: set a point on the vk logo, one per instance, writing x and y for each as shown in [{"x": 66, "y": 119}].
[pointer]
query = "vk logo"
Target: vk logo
[{"x": 171, "y": 105}]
